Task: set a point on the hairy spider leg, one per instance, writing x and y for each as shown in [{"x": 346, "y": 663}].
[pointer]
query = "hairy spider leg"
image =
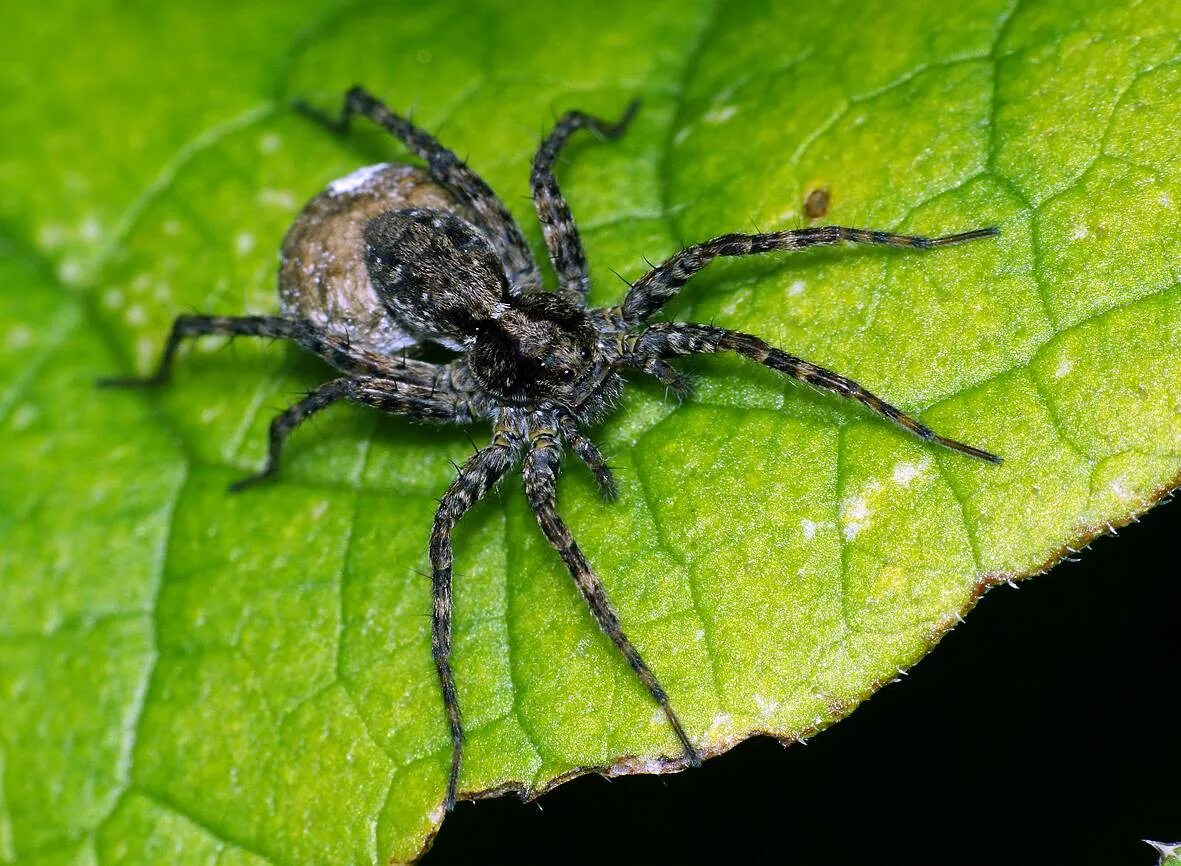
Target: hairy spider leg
[
  {"x": 335, "y": 350},
  {"x": 655, "y": 366},
  {"x": 450, "y": 171},
  {"x": 482, "y": 470},
  {"x": 557, "y": 223},
  {"x": 540, "y": 469},
  {"x": 589, "y": 454},
  {"x": 682, "y": 338},
  {"x": 387, "y": 395},
  {"x": 653, "y": 290}
]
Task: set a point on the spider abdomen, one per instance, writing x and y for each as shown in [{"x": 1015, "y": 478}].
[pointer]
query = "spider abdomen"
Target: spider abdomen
[{"x": 323, "y": 278}]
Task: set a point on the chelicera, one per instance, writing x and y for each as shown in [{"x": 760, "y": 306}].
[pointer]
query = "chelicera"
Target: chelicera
[{"x": 392, "y": 257}]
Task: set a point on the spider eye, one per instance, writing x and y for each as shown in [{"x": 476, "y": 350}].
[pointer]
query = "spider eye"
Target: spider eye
[{"x": 566, "y": 374}]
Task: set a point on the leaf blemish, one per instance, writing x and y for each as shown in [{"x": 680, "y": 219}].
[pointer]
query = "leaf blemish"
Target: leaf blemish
[
  {"x": 767, "y": 706},
  {"x": 855, "y": 510},
  {"x": 723, "y": 723},
  {"x": 18, "y": 337},
  {"x": 135, "y": 315},
  {"x": 720, "y": 114},
  {"x": 905, "y": 472},
  {"x": 283, "y": 199}
]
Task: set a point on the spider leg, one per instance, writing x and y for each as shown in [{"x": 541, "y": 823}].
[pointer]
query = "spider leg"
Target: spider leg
[
  {"x": 333, "y": 349},
  {"x": 388, "y": 395},
  {"x": 589, "y": 454},
  {"x": 540, "y": 469},
  {"x": 659, "y": 285},
  {"x": 450, "y": 171},
  {"x": 478, "y": 473},
  {"x": 658, "y": 368},
  {"x": 198, "y": 326},
  {"x": 557, "y": 223},
  {"x": 679, "y": 338}
]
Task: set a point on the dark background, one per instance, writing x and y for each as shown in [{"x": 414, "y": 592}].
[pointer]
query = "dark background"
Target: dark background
[{"x": 1040, "y": 731}]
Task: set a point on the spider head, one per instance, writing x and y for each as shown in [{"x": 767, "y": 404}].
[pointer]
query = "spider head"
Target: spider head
[{"x": 540, "y": 350}]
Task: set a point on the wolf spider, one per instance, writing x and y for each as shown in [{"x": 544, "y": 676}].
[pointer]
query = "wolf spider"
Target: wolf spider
[{"x": 390, "y": 257}]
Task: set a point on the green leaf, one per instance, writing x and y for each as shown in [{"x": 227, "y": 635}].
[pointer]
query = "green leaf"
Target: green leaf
[{"x": 189, "y": 676}]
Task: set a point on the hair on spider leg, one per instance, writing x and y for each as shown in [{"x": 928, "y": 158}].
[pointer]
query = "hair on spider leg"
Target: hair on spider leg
[
  {"x": 622, "y": 278},
  {"x": 471, "y": 440},
  {"x": 431, "y": 256}
]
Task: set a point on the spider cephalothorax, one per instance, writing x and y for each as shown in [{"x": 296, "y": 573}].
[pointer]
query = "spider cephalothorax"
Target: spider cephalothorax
[{"x": 391, "y": 257}]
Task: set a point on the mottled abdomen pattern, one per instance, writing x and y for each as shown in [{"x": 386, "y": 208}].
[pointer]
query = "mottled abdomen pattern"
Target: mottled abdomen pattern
[{"x": 323, "y": 278}]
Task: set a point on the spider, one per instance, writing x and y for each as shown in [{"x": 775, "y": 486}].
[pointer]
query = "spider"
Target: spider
[{"x": 391, "y": 257}]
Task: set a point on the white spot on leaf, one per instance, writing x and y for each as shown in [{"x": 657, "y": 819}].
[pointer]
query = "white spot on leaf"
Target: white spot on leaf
[
  {"x": 905, "y": 472},
  {"x": 855, "y": 510},
  {"x": 145, "y": 352},
  {"x": 722, "y": 724},
  {"x": 720, "y": 114},
  {"x": 18, "y": 337},
  {"x": 767, "y": 706},
  {"x": 23, "y": 416},
  {"x": 135, "y": 315},
  {"x": 1120, "y": 488},
  {"x": 278, "y": 198},
  {"x": 70, "y": 271},
  {"x": 90, "y": 230}
]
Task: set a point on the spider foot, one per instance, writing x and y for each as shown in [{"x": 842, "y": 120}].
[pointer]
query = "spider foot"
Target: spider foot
[
  {"x": 453, "y": 780},
  {"x": 970, "y": 450},
  {"x": 246, "y": 483},
  {"x": 680, "y": 386},
  {"x": 692, "y": 756},
  {"x": 608, "y": 486},
  {"x": 616, "y": 129}
]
